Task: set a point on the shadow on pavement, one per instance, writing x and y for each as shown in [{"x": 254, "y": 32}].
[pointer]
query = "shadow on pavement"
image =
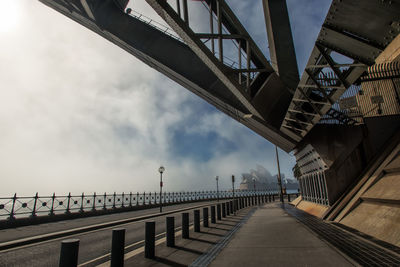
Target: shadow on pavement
[
  {"x": 202, "y": 240},
  {"x": 169, "y": 262},
  {"x": 189, "y": 250}
]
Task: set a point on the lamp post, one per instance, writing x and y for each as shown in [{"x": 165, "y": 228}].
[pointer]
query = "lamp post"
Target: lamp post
[
  {"x": 279, "y": 175},
  {"x": 217, "y": 178},
  {"x": 161, "y": 170},
  {"x": 233, "y": 193}
]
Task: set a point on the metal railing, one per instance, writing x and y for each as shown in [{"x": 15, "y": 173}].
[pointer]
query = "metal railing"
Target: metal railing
[{"x": 21, "y": 207}]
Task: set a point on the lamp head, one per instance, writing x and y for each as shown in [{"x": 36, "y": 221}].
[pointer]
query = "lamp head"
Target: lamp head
[{"x": 161, "y": 169}]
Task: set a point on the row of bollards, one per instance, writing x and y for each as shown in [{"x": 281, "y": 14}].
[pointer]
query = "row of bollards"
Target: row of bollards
[{"x": 70, "y": 247}]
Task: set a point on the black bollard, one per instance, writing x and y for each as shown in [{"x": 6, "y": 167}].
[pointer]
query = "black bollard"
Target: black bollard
[
  {"x": 231, "y": 207},
  {"x": 69, "y": 253},
  {"x": 219, "y": 213},
  {"x": 269, "y": 198},
  {"x": 196, "y": 220},
  {"x": 118, "y": 247},
  {"x": 273, "y": 198},
  {"x": 185, "y": 225},
  {"x": 170, "y": 221},
  {"x": 205, "y": 217},
  {"x": 213, "y": 220},
  {"x": 288, "y": 198},
  {"x": 252, "y": 200},
  {"x": 224, "y": 209},
  {"x": 149, "y": 242}
]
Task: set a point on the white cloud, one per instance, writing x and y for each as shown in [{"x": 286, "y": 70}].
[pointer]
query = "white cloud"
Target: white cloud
[{"x": 79, "y": 114}]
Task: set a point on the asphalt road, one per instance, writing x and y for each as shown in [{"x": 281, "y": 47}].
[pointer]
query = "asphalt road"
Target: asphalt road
[{"x": 93, "y": 244}]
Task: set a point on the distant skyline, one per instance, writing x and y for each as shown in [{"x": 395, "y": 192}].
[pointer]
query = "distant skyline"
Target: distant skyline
[{"x": 79, "y": 114}]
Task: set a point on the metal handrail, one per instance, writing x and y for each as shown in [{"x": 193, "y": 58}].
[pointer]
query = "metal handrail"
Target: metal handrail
[{"x": 23, "y": 206}]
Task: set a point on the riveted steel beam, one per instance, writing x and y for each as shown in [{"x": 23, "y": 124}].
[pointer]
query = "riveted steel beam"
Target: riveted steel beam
[
  {"x": 280, "y": 41},
  {"x": 158, "y": 49}
]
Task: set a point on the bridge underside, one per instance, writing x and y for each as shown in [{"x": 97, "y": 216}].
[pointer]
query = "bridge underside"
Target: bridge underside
[
  {"x": 258, "y": 101},
  {"x": 269, "y": 99}
]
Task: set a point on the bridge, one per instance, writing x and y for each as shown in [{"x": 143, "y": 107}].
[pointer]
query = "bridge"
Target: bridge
[{"x": 340, "y": 117}]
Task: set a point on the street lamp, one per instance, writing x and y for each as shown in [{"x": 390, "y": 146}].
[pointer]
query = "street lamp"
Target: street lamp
[
  {"x": 279, "y": 175},
  {"x": 216, "y": 178},
  {"x": 161, "y": 170},
  {"x": 233, "y": 194}
]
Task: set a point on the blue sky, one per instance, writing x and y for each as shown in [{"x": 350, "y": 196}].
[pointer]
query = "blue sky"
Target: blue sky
[{"x": 79, "y": 114}]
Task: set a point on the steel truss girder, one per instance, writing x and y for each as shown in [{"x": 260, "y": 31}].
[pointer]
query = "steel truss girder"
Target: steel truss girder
[
  {"x": 359, "y": 30},
  {"x": 182, "y": 28},
  {"x": 314, "y": 78},
  {"x": 154, "y": 47},
  {"x": 265, "y": 95}
]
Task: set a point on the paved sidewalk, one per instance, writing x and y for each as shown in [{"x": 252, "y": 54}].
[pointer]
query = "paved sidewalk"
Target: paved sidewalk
[
  {"x": 187, "y": 251},
  {"x": 271, "y": 237},
  {"x": 262, "y": 235}
]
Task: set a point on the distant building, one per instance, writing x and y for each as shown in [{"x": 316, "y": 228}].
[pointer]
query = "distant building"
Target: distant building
[{"x": 262, "y": 179}]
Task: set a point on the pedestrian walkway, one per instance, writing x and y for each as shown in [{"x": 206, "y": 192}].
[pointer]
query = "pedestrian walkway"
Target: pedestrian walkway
[
  {"x": 264, "y": 235},
  {"x": 271, "y": 237}
]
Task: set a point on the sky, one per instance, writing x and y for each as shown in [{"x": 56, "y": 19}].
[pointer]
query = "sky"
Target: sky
[{"x": 79, "y": 114}]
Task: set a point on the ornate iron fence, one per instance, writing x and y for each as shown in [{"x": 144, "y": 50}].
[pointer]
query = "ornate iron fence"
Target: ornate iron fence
[{"x": 20, "y": 207}]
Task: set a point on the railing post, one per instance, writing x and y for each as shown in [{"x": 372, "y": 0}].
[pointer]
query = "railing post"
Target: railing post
[
  {"x": 118, "y": 247},
  {"x": 144, "y": 198},
  {"x": 82, "y": 197},
  {"x": 105, "y": 201},
  {"x": 69, "y": 253},
  {"x": 130, "y": 199},
  {"x": 123, "y": 199},
  {"x": 94, "y": 202},
  {"x": 12, "y": 217},
  {"x": 68, "y": 203},
  {"x": 34, "y": 206},
  {"x": 114, "y": 200},
  {"x": 52, "y": 204},
  {"x": 224, "y": 209},
  {"x": 137, "y": 198}
]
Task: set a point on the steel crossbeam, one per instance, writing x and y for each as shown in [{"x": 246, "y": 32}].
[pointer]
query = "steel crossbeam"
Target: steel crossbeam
[
  {"x": 255, "y": 64},
  {"x": 354, "y": 32},
  {"x": 254, "y": 106}
]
